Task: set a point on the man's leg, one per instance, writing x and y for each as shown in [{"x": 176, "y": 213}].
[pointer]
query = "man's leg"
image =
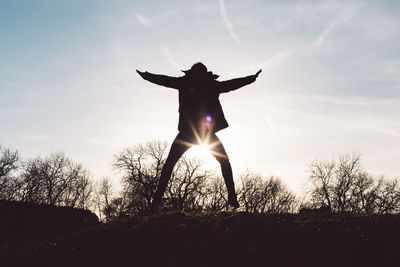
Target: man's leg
[
  {"x": 178, "y": 147},
  {"x": 218, "y": 151}
]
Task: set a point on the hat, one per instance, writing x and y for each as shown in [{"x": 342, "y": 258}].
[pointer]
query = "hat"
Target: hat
[{"x": 199, "y": 68}]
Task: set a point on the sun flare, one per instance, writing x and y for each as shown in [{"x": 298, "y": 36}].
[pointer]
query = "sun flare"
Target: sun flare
[{"x": 202, "y": 151}]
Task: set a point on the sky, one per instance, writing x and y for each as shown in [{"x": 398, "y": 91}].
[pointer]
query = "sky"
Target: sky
[{"x": 330, "y": 83}]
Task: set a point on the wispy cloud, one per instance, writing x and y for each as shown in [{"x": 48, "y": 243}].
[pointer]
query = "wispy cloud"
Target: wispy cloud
[
  {"x": 276, "y": 60},
  {"x": 142, "y": 19},
  {"x": 322, "y": 36},
  {"x": 343, "y": 13},
  {"x": 267, "y": 64},
  {"x": 368, "y": 115},
  {"x": 228, "y": 24}
]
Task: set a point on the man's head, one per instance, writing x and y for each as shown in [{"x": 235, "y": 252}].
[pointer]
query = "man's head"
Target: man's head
[{"x": 199, "y": 70}]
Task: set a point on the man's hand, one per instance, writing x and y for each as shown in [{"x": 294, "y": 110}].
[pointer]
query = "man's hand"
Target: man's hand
[
  {"x": 141, "y": 73},
  {"x": 258, "y": 72}
]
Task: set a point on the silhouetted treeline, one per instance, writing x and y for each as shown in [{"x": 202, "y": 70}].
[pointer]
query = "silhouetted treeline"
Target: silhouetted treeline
[
  {"x": 340, "y": 185},
  {"x": 54, "y": 180},
  {"x": 191, "y": 187}
]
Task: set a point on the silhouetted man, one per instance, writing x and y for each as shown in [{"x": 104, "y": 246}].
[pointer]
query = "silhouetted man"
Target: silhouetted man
[{"x": 200, "y": 117}]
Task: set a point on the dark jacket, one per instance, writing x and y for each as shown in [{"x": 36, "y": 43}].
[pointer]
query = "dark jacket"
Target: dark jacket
[{"x": 198, "y": 99}]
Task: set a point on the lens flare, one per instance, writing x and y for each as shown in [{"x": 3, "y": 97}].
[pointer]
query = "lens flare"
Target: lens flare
[{"x": 202, "y": 151}]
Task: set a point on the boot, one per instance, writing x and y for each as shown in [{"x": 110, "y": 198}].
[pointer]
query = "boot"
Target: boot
[{"x": 232, "y": 201}]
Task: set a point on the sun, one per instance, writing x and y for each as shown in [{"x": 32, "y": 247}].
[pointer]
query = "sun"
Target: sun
[{"x": 202, "y": 151}]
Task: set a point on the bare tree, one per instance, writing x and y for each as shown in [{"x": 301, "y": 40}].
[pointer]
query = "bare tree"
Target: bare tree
[
  {"x": 119, "y": 206},
  {"x": 56, "y": 180},
  {"x": 365, "y": 191},
  {"x": 344, "y": 186},
  {"x": 250, "y": 195},
  {"x": 264, "y": 195},
  {"x": 321, "y": 175},
  {"x": 82, "y": 191},
  {"x": 388, "y": 199},
  {"x": 346, "y": 172},
  {"x": 333, "y": 182},
  {"x": 216, "y": 194},
  {"x": 141, "y": 168},
  {"x": 9, "y": 182},
  {"x": 103, "y": 197},
  {"x": 186, "y": 189}
]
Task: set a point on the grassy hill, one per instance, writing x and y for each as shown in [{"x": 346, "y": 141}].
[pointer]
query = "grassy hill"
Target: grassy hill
[
  {"x": 22, "y": 221},
  {"x": 221, "y": 239}
]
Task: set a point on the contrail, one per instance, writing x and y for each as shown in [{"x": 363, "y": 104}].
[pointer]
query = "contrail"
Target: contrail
[
  {"x": 224, "y": 15},
  {"x": 268, "y": 117},
  {"x": 171, "y": 58}
]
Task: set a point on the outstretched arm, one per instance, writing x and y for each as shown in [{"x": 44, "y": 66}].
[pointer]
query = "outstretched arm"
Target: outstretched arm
[
  {"x": 163, "y": 80},
  {"x": 229, "y": 85}
]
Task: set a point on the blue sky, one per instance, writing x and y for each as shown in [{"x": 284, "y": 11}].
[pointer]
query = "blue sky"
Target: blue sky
[{"x": 330, "y": 83}]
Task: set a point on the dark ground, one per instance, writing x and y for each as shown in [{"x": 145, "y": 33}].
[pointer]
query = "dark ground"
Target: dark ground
[{"x": 219, "y": 239}]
